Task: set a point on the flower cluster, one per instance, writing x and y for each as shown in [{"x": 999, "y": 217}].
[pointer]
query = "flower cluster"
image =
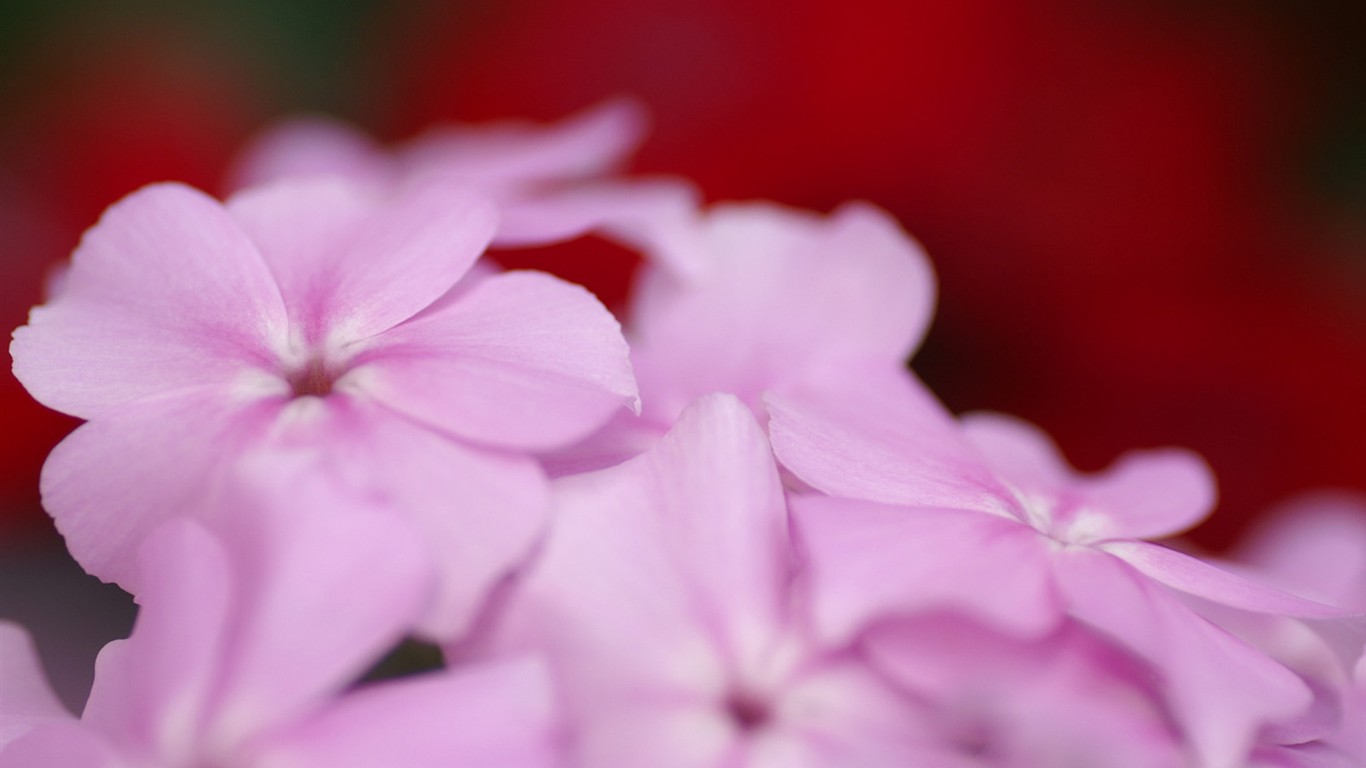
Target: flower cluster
[{"x": 736, "y": 532}]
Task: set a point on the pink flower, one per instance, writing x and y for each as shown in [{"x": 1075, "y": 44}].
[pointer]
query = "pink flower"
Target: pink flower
[
  {"x": 756, "y": 297},
  {"x": 1069, "y": 699},
  {"x": 245, "y": 645},
  {"x": 551, "y": 183},
  {"x": 663, "y": 601},
  {"x": 986, "y": 518},
  {"x": 324, "y": 316},
  {"x": 1315, "y": 546}
]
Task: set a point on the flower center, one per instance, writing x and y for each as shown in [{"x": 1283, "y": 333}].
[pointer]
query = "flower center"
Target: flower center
[
  {"x": 313, "y": 379},
  {"x": 748, "y": 711}
]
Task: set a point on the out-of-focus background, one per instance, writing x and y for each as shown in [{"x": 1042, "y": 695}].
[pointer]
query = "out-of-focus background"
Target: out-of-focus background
[{"x": 1148, "y": 216}]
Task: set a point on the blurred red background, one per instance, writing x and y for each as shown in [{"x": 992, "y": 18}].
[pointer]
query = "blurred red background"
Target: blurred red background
[{"x": 1148, "y": 218}]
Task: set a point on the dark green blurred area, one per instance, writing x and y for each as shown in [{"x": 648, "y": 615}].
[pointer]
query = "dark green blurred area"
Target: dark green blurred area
[{"x": 302, "y": 54}]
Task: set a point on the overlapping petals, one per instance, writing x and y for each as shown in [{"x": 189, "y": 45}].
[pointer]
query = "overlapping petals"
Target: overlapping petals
[
  {"x": 776, "y": 297},
  {"x": 999, "y": 528},
  {"x": 247, "y": 636},
  {"x": 551, "y": 183},
  {"x": 663, "y": 602},
  {"x": 319, "y": 428},
  {"x": 322, "y": 317}
]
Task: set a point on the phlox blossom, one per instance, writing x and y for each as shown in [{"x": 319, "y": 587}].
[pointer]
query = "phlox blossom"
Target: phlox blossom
[
  {"x": 245, "y": 647},
  {"x": 757, "y": 297},
  {"x": 984, "y": 517},
  {"x": 550, "y": 183},
  {"x": 1069, "y": 699},
  {"x": 329, "y": 317},
  {"x": 1315, "y": 545},
  {"x": 663, "y": 603}
]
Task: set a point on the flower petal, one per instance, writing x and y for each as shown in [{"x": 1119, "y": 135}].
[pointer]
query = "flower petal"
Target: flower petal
[
  {"x": 661, "y": 569},
  {"x": 656, "y": 217},
  {"x": 497, "y": 714},
  {"x": 1221, "y": 690},
  {"x": 114, "y": 479},
  {"x": 521, "y": 360},
  {"x": 1146, "y": 494},
  {"x": 353, "y": 260},
  {"x": 781, "y": 293},
  {"x": 1017, "y": 451},
  {"x": 891, "y": 442},
  {"x": 152, "y": 690},
  {"x": 868, "y": 561},
  {"x": 1153, "y": 494},
  {"x": 28, "y": 700},
  {"x": 1196, "y": 577},
  {"x": 479, "y": 512},
  {"x": 310, "y": 146},
  {"x": 1314, "y": 545},
  {"x": 1065, "y": 699},
  {"x": 324, "y": 582},
  {"x": 69, "y": 745},
  {"x": 512, "y": 155},
  {"x": 165, "y": 292}
]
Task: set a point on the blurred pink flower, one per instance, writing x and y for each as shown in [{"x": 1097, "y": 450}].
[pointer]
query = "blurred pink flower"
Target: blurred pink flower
[
  {"x": 245, "y": 646},
  {"x": 1067, "y": 700},
  {"x": 551, "y": 183},
  {"x": 1315, "y": 545},
  {"x": 663, "y": 601},
  {"x": 985, "y": 517},
  {"x": 325, "y": 316},
  {"x": 754, "y": 297}
]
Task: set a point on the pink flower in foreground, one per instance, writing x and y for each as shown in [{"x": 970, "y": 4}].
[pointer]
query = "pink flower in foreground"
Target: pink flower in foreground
[
  {"x": 758, "y": 297},
  {"x": 663, "y": 602},
  {"x": 244, "y": 649},
  {"x": 986, "y": 518},
  {"x": 551, "y": 183},
  {"x": 322, "y": 316}
]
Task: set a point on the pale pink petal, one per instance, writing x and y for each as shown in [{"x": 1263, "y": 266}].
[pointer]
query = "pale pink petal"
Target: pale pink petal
[
  {"x": 479, "y": 512},
  {"x": 513, "y": 154},
  {"x": 1146, "y": 494},
  {"x": 27, "y": 700},
  {"x": 490, "y": 715},
  {"x": 353, "y": 260},
  {"x": 1221, "y": 690},
  {"x": 1313, "y": 755},
  {"x": 521, "y": 359},
  {"x": 659, "y": 733},
  {"x": 60, "y": 745},
  {"x": 1314, "y": 546},
  {"x": 152, "y": 690},
  {"x": 1064, "y": 700},
  {"x": 1196, "y": 577},
  {"x": 1017, "y": 451},
  {"x": 324, "y": 582},
  {"x": 867, "y": 562},
  {"x": 109, "y": 483},
  {"x": 302, "y": 228},
  {"x": 165, "y": 292},
  {"x": 660, "y": 570},
  {"x": 781, "y": 293},
  {"x": 844, "y": 713},
  {"x": 892, "y": 442},
  {"x": 657, "y": 218},
  {"x": 1153, "y": 494},
  {"x": 625, "y": 437},
  {"x": 310, "y": 146}
]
